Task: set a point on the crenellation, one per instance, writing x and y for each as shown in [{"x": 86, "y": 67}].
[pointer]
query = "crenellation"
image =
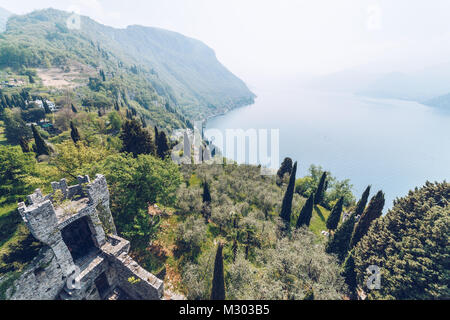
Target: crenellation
[
  {"x": 35, "y": 198},
  {"x": 41, "y": 219},
  {"x": 83, "y": 180},
  {"x": 78, "y": 249},
  {"x": 61, "y": 185}
]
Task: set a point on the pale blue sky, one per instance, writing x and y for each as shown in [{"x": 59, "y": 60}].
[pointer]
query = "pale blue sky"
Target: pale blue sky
[{"x": 261, "y": 37}]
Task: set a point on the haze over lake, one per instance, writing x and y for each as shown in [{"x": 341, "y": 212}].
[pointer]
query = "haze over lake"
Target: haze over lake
[{"x": 392, "y": 145}]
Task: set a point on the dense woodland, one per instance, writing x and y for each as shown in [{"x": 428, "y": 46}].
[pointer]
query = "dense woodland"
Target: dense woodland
[{"x": 221, "y": 231}]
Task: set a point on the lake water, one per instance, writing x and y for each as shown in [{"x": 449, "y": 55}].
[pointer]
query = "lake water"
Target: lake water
[{"x": 390, "y": 144}]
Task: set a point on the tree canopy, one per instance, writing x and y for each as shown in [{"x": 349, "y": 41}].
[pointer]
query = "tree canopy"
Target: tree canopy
[{"x": 410, "y": 245}]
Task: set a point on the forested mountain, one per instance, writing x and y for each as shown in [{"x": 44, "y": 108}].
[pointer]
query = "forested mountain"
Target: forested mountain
[
  {"x": 182, "y": 70},
  {"x": 187, "y": 65},
  {"x": 4, "y": 14}
]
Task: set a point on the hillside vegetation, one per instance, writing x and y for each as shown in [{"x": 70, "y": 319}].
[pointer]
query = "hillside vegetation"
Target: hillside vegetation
[
  {"x": 182, "y": 70},
  {"x": 209, "y": 230}
]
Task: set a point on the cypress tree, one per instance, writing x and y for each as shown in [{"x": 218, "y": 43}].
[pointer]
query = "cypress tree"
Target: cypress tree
[
  {"x": 162, "y": 145},
  {"x": 286, "y": 167},
  {"x": 218, "y": 284},
  {"x": 41, "y": 146},
  {"x": 362, "y": 202},
  {"x": 74, "y": 110},
  {"x": 3, "y": 101},
  {"x": 24, "y": 145},
  {"x": 8, "y": 101},
  {"x": 373, "y": 211},
  {"x": 156, "y": 133},
  {"x": 19, "y": 101},
  {"x": 206, "y": 211},
  {"x": 102, "y": 74},
  {"x": 144, "y": 124},
  {"x": 320, "y": 193},
  {"x": 206, "y": 193},
  {"x": 304, "y": 219},
  {"x": 339, "y": 243},
  {"x": 74, "y": 133},
  {"x": 25, "y": 95},
  {"x": 286, "y": 208},
  {"x": 129, "y": 115},
  {"x": 349, "y": 274},
  {"x": 249, "y": 239},
  {"x": 335, "y": 215},
  {"x": 46, "y": 107},
  {"x": 135, "y": 139},
  {"x": 411, "y": 246}
]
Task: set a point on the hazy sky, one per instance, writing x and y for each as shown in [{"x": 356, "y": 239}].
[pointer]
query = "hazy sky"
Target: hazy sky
[{"x": 260, "y": 37}]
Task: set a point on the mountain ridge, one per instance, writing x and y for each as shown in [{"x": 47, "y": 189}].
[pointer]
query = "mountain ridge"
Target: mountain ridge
[{"x": 183, "y": 70}]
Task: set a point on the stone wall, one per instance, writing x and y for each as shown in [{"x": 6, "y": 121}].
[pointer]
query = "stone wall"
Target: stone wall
[
  {"x": 42, "y": 280},
  {"x": 98, "y": 193},
  {"x": 137, "y": 282}
]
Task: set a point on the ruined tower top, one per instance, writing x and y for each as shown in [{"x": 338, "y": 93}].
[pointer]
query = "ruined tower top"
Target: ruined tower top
[{"x": 45, "y": 215}]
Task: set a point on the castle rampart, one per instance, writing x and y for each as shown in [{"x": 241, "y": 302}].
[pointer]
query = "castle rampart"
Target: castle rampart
[{"x": 83, "y": 257}]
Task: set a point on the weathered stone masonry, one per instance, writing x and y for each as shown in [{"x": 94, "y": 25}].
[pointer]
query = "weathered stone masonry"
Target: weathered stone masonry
[{"x": 80, "y": 260}]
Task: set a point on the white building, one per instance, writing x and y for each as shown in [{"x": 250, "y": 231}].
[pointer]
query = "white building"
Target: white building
[{"x": 53, "y": 107}]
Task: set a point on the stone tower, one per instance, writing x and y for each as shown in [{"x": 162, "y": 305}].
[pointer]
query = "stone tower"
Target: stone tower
[{"x": 83, "y": 258}]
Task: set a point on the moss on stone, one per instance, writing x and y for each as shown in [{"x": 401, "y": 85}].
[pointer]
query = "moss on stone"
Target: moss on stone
[{"x": 105, "y": 218}]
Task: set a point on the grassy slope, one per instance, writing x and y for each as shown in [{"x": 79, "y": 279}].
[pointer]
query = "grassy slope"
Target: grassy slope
[
  {"x": 319, "y": 220},
  {"x": 12, "y": 230},
  {"x": 162, "y": 253}
]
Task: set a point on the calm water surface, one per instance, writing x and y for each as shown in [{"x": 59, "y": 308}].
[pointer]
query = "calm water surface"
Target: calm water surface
[{"x": 392, "y": 145}]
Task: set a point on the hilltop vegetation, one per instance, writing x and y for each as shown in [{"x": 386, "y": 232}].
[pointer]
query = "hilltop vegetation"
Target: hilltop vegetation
[{"x": 181, "y": 70}]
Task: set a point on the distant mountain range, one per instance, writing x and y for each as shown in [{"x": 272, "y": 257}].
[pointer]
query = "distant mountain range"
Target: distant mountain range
[
  {"x": 183, "y": 70},
  {"x": 429, "y": 86},
  {"x": 419, "y": 86}
]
